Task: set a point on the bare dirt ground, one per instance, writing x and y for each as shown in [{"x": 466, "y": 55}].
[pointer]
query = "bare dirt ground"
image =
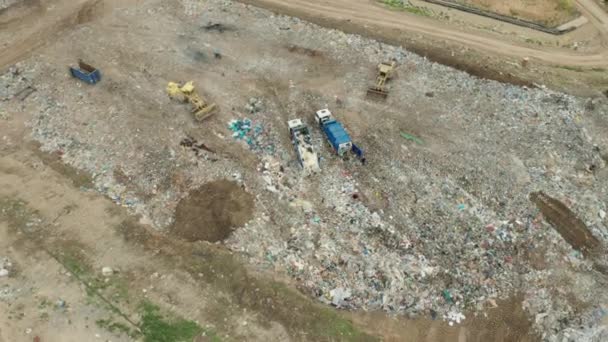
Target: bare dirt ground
[
  {"x": 547, "y": 12},
  {"x": 363, "y": 12},
  {"x": 450, "y": 214},
  {"x": 211, "y": 212},
  {"x": 478, "y": 51}
]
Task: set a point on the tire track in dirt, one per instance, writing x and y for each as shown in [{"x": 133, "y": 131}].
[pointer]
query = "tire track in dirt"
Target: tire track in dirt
[
  {"x": 39, "y": 26},
  {"x": 363, "y": 12}
]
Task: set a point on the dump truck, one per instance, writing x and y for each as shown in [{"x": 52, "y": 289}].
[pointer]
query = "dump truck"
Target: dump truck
[
  {"x": 300, "y": 137},
  {"x": 201, "y": 109},
  {"x": 385, "y": 73},
  {"x": 86, "y": 73},
  {"x": 337, "y": 136}
]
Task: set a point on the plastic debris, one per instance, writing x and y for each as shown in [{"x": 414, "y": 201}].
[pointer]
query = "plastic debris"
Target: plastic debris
[
  {"x": 254, "y": 135},
  {"x": 339, "y": 296},
  {"x": 412, "y": 138},
  {"x": 107, "y": 271}
]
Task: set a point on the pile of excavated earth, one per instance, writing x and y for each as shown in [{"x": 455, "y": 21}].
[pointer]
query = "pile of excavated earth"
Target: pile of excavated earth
[{"x": 467, "y": 196}]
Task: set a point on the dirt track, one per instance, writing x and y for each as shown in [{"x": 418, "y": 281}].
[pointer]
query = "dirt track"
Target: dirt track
[{"x": 364, "y": 12}]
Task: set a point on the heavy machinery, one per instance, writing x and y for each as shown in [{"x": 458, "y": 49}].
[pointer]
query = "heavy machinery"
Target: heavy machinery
[
  {"x": 300, "y": 137},
  {"x": 385, "y": 73},
  {"x": 187, "y": 93},
  {"x": 337, "y": 136}
]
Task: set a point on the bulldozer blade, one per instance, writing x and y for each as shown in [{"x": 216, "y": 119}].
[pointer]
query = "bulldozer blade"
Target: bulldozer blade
[
  {"x": 375, "y": 93},
  {"x": 205, "y": 113}
]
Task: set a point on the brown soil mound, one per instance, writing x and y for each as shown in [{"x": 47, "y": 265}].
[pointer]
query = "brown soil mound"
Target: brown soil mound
[
  {"x": 569, "y": 226},
  {"x": 211, "y": 212}
]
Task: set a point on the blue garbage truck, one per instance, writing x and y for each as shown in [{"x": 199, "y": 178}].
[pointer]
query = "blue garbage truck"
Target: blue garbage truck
[{"x": 337, "y": 136}]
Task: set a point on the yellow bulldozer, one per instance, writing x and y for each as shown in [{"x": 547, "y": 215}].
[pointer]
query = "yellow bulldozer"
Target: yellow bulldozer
[
  {"x": 187, "y": 93},
  {"x": 385, "y": 73}
]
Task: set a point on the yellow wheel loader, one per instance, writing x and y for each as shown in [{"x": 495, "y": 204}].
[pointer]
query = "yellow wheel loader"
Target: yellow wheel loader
[
  {"x": 385, "y": 73},
  {"x": 187, "y": 93}
]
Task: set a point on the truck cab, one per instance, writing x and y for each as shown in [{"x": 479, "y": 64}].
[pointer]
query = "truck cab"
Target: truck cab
[{"x": 322, "y": 116}]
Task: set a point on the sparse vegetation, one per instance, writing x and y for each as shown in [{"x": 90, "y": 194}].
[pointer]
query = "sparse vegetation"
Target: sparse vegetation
[
  {"x": 116, "y": 327},
  {"x": 404, "y": 5},
  {"x": 566, "y": 6},
  {"x": 550, "y": 13},
  {"x": 156, "y": 327}
]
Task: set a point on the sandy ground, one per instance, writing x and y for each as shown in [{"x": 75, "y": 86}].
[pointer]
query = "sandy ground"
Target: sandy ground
[{"x": 549, "y": 12}]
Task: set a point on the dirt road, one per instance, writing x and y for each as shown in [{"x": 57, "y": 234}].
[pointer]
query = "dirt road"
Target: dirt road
[
  {"x": 364, "y": 12},
  {"x": 597, "y": 16}
]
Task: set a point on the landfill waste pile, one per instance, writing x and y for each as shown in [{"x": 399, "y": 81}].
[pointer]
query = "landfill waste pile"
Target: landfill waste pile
[
  {"x": 7, "y": 3},
  {"x": 437, "y": 224},
  {"x": 5, "y": 267},
  {"x": 254, "y": 105},
  {"x": 256, "y": 136}
]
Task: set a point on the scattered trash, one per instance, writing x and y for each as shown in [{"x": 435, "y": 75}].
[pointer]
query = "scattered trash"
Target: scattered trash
[
  {"x": 398, "y": 269},
  {"x": 339, "y": 296},
  {"x": 60, "y": 304},
  {"x": 454, "y": 317},
  {"x": 5, "y": 267},
  {"x": 447, "y": 296},
  {"x": 254, "y": 105},
  {"x": 217, "y": 27},
  {"x": 255, "y": 135},
  {"x": 25, "y": 93},
  {"x": 412, "y": 138},
  {"x": 107, "y": 271}
]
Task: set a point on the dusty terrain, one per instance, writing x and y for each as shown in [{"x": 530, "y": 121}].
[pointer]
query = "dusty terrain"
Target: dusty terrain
[
  {"x": 548, "y": 12},
  {"x": 575, "y": 62},
  {"x": 230, "y": 241}
]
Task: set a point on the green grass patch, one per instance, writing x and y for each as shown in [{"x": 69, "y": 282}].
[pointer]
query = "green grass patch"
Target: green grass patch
[
  {"x": 117, "y": 327},
  {"x": 404, "y": 5},
  {"x": 18, "y": 216},
  {"x": 567, "y": 6},
  {"x": 157, "y": 327},
  {"x": 571, "y": 68},
  {"x": 534, "y": 41}
]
